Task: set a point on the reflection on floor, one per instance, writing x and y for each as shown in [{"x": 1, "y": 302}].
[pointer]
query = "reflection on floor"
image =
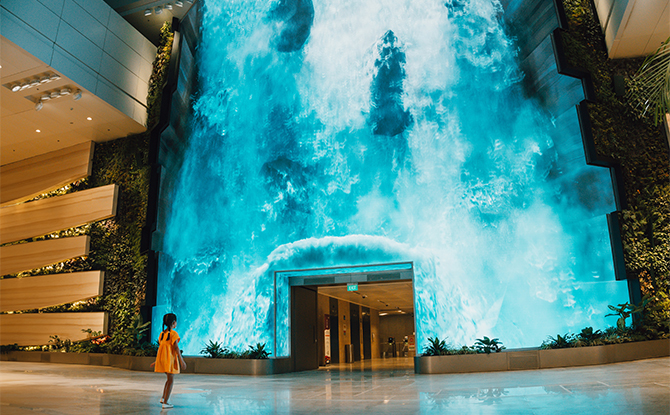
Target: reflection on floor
[
  {"x": 641, "y": 387},
  {"x": 394, "y": 363}
]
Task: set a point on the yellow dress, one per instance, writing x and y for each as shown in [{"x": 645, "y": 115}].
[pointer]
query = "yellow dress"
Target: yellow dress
[{"x": 166, "y": 359}]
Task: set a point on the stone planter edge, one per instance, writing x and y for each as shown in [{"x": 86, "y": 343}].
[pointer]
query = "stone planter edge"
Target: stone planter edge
[
  {"x": 253, "y": 367},
  {"x": 542, "y": 359}
]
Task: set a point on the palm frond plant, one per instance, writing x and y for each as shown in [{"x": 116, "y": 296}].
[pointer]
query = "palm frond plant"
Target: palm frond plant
[
  {"x": 214, "y": 350},
  {"x": 436, "y": 347},
  {"x": 558, "y": 342},
  {"x": 257, "y": 352},
  {"x": 589, "y": 337},
  {"x": 649, "y": 90},
  {"x": 487, "y": 345}
]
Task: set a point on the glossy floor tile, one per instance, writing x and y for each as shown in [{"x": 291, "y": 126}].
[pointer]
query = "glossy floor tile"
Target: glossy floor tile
[{"x": 384, "y": 387}]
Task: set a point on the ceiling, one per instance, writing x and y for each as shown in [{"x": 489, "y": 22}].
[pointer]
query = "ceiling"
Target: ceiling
[
  {"x": 61, "y": 122},
  {"x": 134, "y": 12},
  {"x": 64, "y": 122},
  {"x": 387, "y": 297}
]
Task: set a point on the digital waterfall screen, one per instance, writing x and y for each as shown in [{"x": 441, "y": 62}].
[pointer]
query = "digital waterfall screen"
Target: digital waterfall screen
[{"x": 343, "y": 133}]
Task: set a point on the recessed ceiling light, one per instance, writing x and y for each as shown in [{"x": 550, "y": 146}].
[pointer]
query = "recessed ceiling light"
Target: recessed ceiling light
[
  {"x": 168, "y": 6},
  {"x": 65, "y": 91},
  {"x": 38, "y": 106},
  {"x": 179, "y": 3},
  {"x": 35, "y": 82},
  {"x": 45, "y": 97},
  {"x": 147, "y": 12},
  {"x": 44, "y": 80},
  {"x": 77, "y": 95},
  {"x": 16, "y": 87},
  {"x": 89, "y": 118},
  {"x": 158, "y": 10},
  {"x": 55, "y": 95},
  {"x": 54, "y": 77},
  {"x": 38, "y": 131},
  {"x": 24, "y": 86}
]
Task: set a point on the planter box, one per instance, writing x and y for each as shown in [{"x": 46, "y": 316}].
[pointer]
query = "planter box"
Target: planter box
[
  {"x": 463, "y": 363},
  {"x": 254, "y": 367},
  {"x": 141, "y": 363},
  {"x": 599, "y": 355},
  {"x": 98, "y": 359},
  {"x": 543, "y": 359},
  {"x": 68, "y": 358},
  {"x": 22, "y": 357}
]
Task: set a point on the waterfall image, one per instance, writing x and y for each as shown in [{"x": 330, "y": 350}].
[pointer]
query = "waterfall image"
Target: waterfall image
[{"x": 330, "y": 133}]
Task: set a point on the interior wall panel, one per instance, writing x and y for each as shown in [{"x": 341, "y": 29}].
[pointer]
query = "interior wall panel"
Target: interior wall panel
[
  {"x": 27, "y": 256},
  {"x": 36, "y": 329},
  {"x": 25, "y": 179},
  {"x": 41, "y": 217},
  {"x": 49, "y": 290}
]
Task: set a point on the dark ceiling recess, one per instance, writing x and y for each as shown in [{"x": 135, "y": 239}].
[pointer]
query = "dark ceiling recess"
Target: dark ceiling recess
[{"x": 147, "y": 16}]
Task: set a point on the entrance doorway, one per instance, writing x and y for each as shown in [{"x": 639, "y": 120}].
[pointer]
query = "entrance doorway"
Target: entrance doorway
[{"x": 353, "y": 318}]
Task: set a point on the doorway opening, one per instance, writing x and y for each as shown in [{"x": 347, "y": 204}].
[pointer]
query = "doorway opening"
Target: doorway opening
[{"x": 353, "y": 318}]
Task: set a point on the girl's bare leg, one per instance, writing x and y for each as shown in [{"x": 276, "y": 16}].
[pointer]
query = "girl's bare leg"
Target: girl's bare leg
[{"x": 167, "y": 390}]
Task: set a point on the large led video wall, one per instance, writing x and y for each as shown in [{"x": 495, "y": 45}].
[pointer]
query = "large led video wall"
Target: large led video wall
[{"x": 333, "y": 133}]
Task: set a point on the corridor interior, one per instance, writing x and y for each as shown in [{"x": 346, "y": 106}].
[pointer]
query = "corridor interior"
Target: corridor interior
[{"x": 369, "y": 327}]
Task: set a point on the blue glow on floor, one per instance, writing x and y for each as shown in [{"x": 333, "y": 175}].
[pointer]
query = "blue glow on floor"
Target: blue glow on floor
[{"x": 372, "y": 132}]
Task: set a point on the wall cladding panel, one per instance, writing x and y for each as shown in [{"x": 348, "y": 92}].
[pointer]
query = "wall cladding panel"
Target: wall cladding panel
[
  {"x": 28, "y": 178},
  {"x": 36, "y": 329},
  {"x": 41, "y": 217},
  {"x": 23, "y": 257},
  {"x": 49, "y": 290}
]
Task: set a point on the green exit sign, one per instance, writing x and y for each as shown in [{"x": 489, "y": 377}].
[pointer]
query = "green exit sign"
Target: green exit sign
[{"x": 352, "y": 287}]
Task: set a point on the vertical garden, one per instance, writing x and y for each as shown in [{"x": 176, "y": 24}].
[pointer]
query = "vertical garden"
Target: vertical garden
[
  {"x": 638, "y": 143},
  {"x": 115, "y": 242}
]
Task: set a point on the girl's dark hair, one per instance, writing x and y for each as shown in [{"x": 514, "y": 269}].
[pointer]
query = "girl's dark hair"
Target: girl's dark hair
[{"x": 168, "y": 319}]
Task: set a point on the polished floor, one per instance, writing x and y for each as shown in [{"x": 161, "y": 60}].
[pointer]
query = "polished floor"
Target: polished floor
[{"x": 381, "y": 387}]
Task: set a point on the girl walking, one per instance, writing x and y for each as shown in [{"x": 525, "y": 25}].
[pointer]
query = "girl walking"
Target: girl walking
[{"x": 168, "y": 359}]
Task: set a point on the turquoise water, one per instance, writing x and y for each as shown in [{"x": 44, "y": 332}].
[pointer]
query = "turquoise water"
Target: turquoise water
[{"x": 345, "y": 133}]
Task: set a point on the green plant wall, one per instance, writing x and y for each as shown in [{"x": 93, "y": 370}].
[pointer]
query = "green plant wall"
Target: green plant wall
[
  {"x": 115, "y": 242},
  {"x": 639, "y": 145}
]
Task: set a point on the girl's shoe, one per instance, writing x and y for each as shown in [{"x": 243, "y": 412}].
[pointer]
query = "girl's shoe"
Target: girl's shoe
[{"x": 167, "y": 406}]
